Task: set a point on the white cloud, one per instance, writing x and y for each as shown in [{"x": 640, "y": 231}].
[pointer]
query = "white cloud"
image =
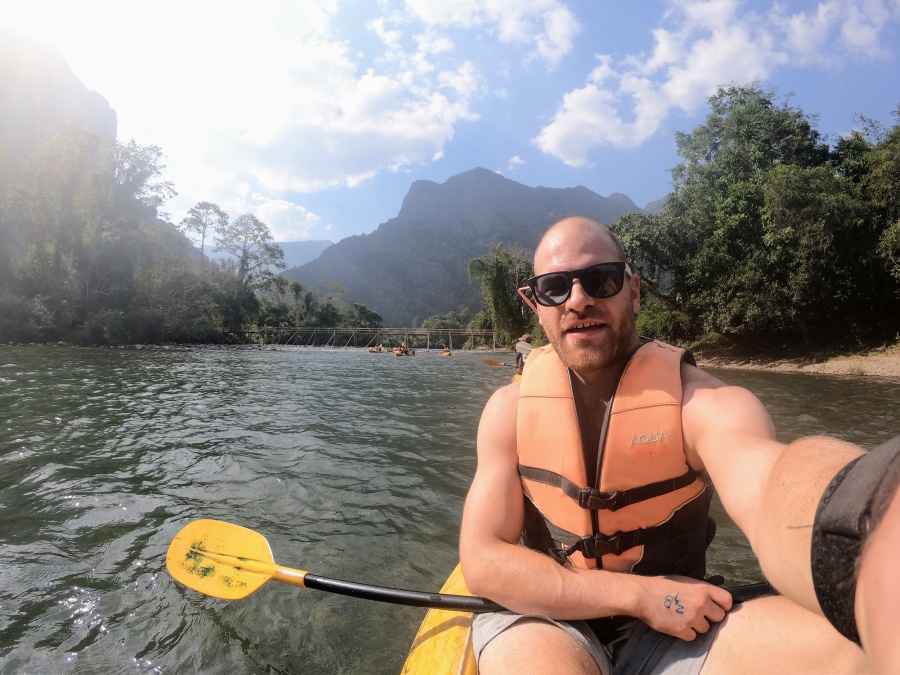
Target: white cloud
[
  {"x": 431, "y": 43},
  {"x": 273, "y": 101},
  {"x": 514, "y": 163},
  {"x": 705, "y": 44},
  {"x": 547, "y": 23},
  {"x": 288, "y": 221},
  {"x": 391, "y": 38}
]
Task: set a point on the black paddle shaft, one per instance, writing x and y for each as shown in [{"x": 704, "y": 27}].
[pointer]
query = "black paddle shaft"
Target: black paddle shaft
[
  {"x": 463, "y": 603},
  {"x": 398, "y": 596}
]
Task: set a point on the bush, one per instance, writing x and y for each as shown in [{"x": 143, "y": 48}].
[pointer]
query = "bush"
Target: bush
[
  {"x": 660, "y": 322},
  {"x": 25, "y": 320}
]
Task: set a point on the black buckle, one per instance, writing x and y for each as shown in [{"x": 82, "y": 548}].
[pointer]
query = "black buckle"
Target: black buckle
[
  {"x": 613, "y": 543},
  {"x": 591, "y": 547},
  {"x": 600, "y": 545},
  {"x": 589, "y": 498},
  {"x": 561, "y": 555}
]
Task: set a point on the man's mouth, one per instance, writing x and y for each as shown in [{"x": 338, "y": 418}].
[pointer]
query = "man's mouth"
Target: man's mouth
[{"x": 584, "y": 327}]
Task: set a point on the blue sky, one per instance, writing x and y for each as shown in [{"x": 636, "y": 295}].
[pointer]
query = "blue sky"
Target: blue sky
[{"x": 318, "y": 115}]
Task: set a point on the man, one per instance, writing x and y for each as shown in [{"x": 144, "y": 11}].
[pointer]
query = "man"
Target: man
[
  {"x": 523, "y": 349},
  {"x": 574, "y": 564}
]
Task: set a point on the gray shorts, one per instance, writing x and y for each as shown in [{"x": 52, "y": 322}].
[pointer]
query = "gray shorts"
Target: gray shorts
[
  {"x": 485, "y": 627},
  {"x": 636, "y": 649}
]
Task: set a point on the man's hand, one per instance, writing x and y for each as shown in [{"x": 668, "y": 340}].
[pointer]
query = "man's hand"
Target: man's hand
[{"x": 683, "y": 607}]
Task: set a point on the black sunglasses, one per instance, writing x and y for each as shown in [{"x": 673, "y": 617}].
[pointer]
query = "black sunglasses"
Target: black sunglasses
[{"x": 603, "y": 280}]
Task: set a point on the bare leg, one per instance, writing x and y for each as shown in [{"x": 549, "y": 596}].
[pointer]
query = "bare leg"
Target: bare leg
[
  {"x": 535, "y": 648},
  {"x": 775, "y": 635}
]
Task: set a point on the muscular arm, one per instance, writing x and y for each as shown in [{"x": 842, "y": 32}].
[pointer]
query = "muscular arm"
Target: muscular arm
[
  {"x": 525, "y": 581},
  {"x": 771, "y": 490}
]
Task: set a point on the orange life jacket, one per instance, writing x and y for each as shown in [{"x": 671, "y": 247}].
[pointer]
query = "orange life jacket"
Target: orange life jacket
[{"x": 644, "y": 509}]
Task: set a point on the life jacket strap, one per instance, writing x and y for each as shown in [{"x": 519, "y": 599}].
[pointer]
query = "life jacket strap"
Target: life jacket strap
[
  {"x": 599, "y": 545},
  {"x": 589, "y": 498}
]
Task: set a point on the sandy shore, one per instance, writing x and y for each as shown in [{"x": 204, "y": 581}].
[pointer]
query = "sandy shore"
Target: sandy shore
[{"x": 883, "y": 362}]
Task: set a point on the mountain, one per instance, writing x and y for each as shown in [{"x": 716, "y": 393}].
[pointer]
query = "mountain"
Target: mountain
[
  {"x": 297, "y": 253},
  {"x": 41, "y": 96},
  {"x": 656, "y": 207},
  {"x": 415, "y": 265}
]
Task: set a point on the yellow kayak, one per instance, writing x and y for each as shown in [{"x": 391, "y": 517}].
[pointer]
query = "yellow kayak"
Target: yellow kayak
[{"x": 443, "y": 644}]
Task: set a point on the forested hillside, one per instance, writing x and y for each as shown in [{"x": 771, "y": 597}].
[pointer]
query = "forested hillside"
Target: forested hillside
[
  {"x": 774, "y": 235},
  {"x": 87, "y": 254},
  {"x": 414, "y": 266}
]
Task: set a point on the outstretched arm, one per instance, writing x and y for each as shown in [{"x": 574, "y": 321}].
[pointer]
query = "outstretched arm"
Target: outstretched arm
[
  {"x": 773, "y": 490},
  {"x": 526, "y": 581},
  {"x": 770, "y": 490}
]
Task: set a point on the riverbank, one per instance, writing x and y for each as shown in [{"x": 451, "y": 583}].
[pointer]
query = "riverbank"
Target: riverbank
[{"x": 883, "y": 362}]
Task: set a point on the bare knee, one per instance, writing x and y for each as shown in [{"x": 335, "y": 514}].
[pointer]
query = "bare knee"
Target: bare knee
[
  {"x": 535, "y": 647},
  {"x": 776, "y": 635}
]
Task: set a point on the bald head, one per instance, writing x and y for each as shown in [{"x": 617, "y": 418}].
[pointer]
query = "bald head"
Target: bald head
[{"x": 576, "y": 232}]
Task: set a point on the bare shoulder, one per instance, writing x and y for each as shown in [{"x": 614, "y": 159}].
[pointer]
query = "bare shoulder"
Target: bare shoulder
[
  {"x": 718, "y": 417},
  {"x": 497, "y": 427},
  {"x": 503, "y": 402},
  {"x": 703, "y": 390},
  {"x": 692, "y": 379}
]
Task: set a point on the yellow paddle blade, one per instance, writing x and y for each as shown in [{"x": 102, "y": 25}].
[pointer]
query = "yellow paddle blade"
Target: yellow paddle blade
[
  {"x": 220, "y": 559},
  {"x": 492, "y": 362}
]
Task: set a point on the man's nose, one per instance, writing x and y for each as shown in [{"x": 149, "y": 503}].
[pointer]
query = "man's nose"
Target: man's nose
[{"x": 579, "y": 298}]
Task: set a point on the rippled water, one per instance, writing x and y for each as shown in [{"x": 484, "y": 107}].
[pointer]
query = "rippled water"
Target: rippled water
[{"x": 353, "y": 466}]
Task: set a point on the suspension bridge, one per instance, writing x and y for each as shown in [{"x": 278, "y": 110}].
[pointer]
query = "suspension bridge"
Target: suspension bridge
[{"x": 418, "y": 338}]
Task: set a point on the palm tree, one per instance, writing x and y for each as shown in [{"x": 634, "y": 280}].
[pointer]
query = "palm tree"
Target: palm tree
[{"x": 501, "y": 271}]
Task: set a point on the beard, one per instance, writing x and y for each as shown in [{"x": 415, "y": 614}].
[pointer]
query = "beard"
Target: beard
[{"x": 609, "y": 349}]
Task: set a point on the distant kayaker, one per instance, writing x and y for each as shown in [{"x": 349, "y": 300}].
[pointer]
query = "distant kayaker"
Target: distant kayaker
[
  {"x": 611, "y": 505},
  {"x": 523, "y": 349}
]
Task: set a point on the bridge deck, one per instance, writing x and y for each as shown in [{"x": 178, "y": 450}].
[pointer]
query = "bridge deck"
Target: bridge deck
[{"x": 456, "y": 338}]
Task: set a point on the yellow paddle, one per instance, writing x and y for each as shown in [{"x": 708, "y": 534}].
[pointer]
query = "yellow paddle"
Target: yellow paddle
[
  {"x": 492, "y": 362},
  {"x": 231, "y": 562}
]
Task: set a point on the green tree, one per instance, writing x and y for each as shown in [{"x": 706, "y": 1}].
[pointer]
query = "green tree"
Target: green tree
[
  {"x": 501, "y": 272},
  {"x": 138, "y": 170},
  {"x": 297, "y": 297},
  {"x": 363, "y": 317},
  {"x": 328, "y": 316},
  {"x": 768, "y": 235},
  {"x": 448, "y": 320},
  {"x": 884, "y": 189},
  {"x": 204, "y": 218},
  {"x": 250, "y": 241}
]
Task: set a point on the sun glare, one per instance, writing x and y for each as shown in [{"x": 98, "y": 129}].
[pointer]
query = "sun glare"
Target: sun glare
[{"x": 29, "y": 18}]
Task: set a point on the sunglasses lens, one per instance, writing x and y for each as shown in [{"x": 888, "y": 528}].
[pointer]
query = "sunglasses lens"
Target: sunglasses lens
[
  {"x": 552, "y": 289},
  {"x": 602, "y": 281},
  {"x": 599, "y": 281}
]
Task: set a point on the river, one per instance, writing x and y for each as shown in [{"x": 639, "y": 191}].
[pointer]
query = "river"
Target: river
[{"x": 353, "y": 466}]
